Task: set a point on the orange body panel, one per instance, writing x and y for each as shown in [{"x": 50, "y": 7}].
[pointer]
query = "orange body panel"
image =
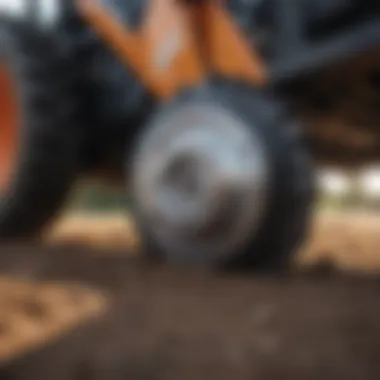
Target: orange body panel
[
  {"x": 9, "y": 128},
  {"x": 228, "y": 51},
  {"x": 178, "y": 44},
  {"x": 173, "y": 52}
]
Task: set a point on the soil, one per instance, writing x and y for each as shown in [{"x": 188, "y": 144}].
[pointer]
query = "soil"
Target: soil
[
  {"x": 33, "y": 313},
  {"x": 176, "y": 323},
  {"x": 350, "y": 239}
]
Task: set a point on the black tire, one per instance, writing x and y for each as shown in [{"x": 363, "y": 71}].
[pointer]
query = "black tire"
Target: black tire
[
  {"x": 285, "y": 224},
  {"x": 47, "y": 158}
]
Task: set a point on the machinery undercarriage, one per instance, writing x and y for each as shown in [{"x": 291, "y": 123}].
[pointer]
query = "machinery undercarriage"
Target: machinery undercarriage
[{"x": 207, "y": 111}]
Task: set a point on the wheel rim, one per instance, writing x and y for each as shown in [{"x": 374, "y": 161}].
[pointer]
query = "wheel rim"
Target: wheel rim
[
  {"x": 9, "y": 128},
  {"x": 200, "y": 178}
]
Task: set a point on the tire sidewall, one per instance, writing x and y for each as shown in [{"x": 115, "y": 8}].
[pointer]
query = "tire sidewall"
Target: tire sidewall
[{"x": 289, "y": 196}]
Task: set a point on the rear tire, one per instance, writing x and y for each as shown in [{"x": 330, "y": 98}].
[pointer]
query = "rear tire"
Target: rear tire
[
  {"x": 288, "y": 194},
  {"x": 48, "y": 146}
]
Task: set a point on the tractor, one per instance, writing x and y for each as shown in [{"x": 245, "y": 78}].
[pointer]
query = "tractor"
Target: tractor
[{"x": 212, "y": 114}]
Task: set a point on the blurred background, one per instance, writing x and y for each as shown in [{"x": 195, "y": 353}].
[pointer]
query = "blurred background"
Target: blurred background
[
  {"x": 345, "y": 228},
  {"x": 259, "y": 322}
]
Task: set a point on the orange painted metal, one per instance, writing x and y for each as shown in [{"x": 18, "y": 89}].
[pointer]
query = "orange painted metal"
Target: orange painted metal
[
  {"x": 178, "y": 44},
  {"x": 163, "y": 52},
  {"x": 9, "y": 128},
  {"x": 173, "y": 51},
  {"x": 228, "y": 51}
]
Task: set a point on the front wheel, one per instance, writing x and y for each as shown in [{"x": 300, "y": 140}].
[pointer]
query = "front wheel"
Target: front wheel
[
  {"x": 220, "y": 177},
  {"x": 39, "y": 133}
]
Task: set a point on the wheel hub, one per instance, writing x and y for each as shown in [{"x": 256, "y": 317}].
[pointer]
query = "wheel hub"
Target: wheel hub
[{"x": 201, "y": 178}]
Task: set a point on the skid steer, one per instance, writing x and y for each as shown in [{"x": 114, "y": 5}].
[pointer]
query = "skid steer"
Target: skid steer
[{"x": 207, "y": 110}]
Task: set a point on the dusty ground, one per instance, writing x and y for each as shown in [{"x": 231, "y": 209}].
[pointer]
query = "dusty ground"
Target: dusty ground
[
  {"x": 351, "y": 240},
  {"x": 33, "y": 312},
  {"x": 171, "y": 323}
]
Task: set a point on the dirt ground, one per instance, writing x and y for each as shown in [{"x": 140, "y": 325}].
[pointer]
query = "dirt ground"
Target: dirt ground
[
  {"x": 350, "y": 240},
  {"x": 174, "y": 323}
]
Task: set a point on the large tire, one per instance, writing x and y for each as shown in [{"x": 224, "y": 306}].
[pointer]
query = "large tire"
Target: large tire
[
  {"x": 283, "y": 226},
  {"x": 48, "y": 140}
]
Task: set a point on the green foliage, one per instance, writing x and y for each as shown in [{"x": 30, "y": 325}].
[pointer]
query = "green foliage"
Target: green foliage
[
  {"x": 97, "y": 197},
  {"x": 349, "y": 201},
  {"x": 93, "y": 197}
]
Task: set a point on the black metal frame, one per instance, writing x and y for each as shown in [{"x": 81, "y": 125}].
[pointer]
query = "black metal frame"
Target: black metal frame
[
  {"x": 293, "y": 53},
  {"x": 295, "y": 59}
]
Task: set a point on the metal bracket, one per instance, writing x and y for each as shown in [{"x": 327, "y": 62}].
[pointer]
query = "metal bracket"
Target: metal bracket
[{"x": 178, "y": 44}]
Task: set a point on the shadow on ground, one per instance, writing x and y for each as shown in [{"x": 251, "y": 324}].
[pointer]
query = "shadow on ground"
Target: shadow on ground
[{"x": 177, "y": 323}]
